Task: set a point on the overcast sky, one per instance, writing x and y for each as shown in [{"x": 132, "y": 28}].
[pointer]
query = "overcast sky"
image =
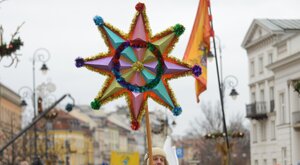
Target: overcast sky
[{"x": 67, "y": 30}]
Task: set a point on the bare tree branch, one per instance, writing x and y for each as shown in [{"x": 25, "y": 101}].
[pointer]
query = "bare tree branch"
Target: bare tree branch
[
  {"x": 208, "y": 151},
  {"x": 16, "y": 32}
]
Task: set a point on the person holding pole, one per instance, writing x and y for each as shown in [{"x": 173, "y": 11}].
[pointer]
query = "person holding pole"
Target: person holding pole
[{"x": 158, "y": 156}]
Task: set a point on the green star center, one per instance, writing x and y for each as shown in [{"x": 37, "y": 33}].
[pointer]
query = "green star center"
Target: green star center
[{"x": 138, "y": 66}]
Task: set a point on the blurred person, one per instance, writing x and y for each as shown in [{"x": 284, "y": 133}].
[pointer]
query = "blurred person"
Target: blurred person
[{"x": 158, "y": 157}]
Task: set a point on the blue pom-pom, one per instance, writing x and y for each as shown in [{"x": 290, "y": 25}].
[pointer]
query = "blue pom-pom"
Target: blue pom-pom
[
  {"x": 177, "y": 111},
  {"x": 79, "y": 62},
  {"x": 197, "y": 70},
  {"x": 98, "y": 20},
  {"x": 127, "y": 43},
  {"x": 69, "y": 107}
]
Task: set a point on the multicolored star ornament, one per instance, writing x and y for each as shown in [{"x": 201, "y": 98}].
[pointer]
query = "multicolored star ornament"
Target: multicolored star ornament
[{"x": 138, "y": 66}]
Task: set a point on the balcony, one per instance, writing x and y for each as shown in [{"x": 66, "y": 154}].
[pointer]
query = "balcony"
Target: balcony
[
  {"x": 296, "y": 120},
  {"x": 257, "y": 110}
]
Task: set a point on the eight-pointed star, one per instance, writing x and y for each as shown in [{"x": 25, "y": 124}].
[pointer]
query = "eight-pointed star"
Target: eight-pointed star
[{"x": 137, "y": 65}]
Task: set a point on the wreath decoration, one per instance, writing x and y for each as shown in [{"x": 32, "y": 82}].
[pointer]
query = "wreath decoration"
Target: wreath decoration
[
  {"x": 12, "y": 47},
  {"x": 9, "y": 50}
]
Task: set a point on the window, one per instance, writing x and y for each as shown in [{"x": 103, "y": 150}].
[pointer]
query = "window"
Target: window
[
  {"x": 282, "y": 108},
  {"x": 284, "y": 156},
  {"x": 262, "y": 95},
  {"x": 274, "y": 161},
  {"x": 49, "y": 125},
  {"x": 282, "y": 49},
  {"x": 253, "y": 97},
  {"x": 270, "y": 58},
  {"x": 273, "y": 136},
  {"x": 271, "y": 93},
  {"x": 252, "y": 69},
  {"x": 261, "y": 65},
  {"x": 265, "y": 161},
  {"x": 254, "y": 133},
  {"x": 272, "y": 104},
  {"x": 263, "y": 131},
  {"x": 261, "y": 107},
  {"x": 256, "y": 162}
]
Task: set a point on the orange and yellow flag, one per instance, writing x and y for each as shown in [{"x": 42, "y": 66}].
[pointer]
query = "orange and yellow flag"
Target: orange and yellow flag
[{"x": 199, "y": 44}]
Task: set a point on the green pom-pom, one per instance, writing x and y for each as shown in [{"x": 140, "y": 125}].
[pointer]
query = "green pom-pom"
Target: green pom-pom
[
  {"x": 178, "y": 29},
  {"x": 95, "y": 104}
]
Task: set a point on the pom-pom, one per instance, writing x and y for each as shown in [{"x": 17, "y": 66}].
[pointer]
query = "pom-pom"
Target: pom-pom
[
  {"x": 177, "y": 111},
  {"x": 98, "y": 20},
  {"x": 127, "y": 43},
  {"x": 95, "y": 104},
  {"x": 69, "y": 107},
  {"x": 197, "y": 70},
  {"x": 79, "y": 62},
  {"x": 135, "y": 125},
  {"x": 178, "y": 29},
  {"x": 140, "y": 7}
]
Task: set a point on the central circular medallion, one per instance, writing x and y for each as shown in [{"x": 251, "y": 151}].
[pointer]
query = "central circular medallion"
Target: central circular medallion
[{"x": 138, "y": 66}]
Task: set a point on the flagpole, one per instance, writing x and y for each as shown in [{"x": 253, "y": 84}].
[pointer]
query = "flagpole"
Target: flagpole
[
  {"x": 149, "y": 141},
  {"x": 219, "y": 83}
]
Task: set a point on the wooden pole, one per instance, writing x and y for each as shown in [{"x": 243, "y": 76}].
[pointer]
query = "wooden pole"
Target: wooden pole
[{"x": 149, "y": 142}]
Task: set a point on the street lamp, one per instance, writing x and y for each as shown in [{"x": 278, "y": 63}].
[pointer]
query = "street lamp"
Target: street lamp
[
  {"x": 222, "y": 85},
  {"x": 43, "y": 56},
  {"x": 230, "y": 81},
  {"x": 26, "y": 93}
]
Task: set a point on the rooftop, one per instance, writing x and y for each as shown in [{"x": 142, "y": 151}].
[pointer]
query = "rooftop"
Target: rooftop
[{"x": 281, "y": 24}]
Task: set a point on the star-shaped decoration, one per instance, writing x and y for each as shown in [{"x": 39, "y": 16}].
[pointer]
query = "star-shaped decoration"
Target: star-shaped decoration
[{"x": 138, "y": 66}]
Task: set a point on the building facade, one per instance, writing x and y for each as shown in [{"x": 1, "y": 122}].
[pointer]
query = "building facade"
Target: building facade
[
  {"x": 190, "y": 148},
  {"x": 65, "y": 140},
  {"x": 10, "y": 121},
  {"x": 111, "y": 132},
  {"x": 10, "y": 110},
  {"x": 273, "y": 50}
]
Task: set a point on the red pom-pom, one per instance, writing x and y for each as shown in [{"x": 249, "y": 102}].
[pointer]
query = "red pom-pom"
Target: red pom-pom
[
  {"x": 10, "y": 46},
  {"x": 115, "y": 60},
  {"x": 140, "y": 7},
  {"x": 135, "y": 125}
]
